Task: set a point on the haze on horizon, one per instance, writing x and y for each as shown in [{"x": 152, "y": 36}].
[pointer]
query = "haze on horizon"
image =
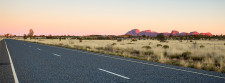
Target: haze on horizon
[{"x": 110, "y": 17}]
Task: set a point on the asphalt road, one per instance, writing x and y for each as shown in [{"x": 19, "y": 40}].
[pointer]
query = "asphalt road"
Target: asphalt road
[{"x": 37, "y": 63}]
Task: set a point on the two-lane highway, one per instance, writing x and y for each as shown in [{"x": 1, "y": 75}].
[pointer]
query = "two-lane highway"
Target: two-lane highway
[{"x": 43, "y": 63}]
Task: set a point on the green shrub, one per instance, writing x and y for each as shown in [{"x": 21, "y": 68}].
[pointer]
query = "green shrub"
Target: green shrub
[
  {"x": 135, "y": 52},
  {"x": 113, "y": 44},
  {"x": 217, "y": 63},
  {"x": 223, "y": 70},
  {"x": 165, "y": 46},
  {"x": 119, "y": 40},
  {"x": 165, "y": 53},
  {"x": 174, "y": 56},
  {"x": 202, "y": 46},
  {"x": 99, "y": 48},
  {"x": 186, "y": 55},
  {"x": 80, "y": 40},
  {"x": 161, "y": 37},
  {"x": 197, "y": 58},
  {"x": 147, "y": 47},
  {"x": 209, "y": 67},
  {"x": 174, "y": 62},
  {"x": 149, "y": 53},
  {"x": 134, "y": 40},
  {"x": 191, "y": 65},
  {"x": 159, "y": 45},
  {"x": 130, "y": 43}
]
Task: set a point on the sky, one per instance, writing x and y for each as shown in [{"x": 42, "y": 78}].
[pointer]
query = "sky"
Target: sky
[{"x": 110, "y": 17}]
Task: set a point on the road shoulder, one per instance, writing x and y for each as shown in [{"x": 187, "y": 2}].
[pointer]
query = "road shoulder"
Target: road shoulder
[{"x": 6, "y": 75}]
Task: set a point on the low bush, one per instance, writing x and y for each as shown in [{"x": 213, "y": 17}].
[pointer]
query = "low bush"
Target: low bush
[
  {"x": 217, "y": 63},
  {"x": 130, "y": 43},
  {"x": 197, "y": 58},
  {"x": 134, "y": 40},
  {"x": 174, "y": 62},
  {"x": 174, "y": 56},
  {"x": 223, "y": 70},
  {"x": 113, "y": 44},
  {"x": 191, "y": 65},
  {"x": 135, "y": 52},
  {"x": 80, "y": 39},
  {"x": 202, "y": 46},
  {"x": 209, "y": 67},
  {"x": 186, "y": 55},
  {"x": 165, "y": 46},
  {"x": 158, "y": 45},
  {"x": 99, "y": 48},
  {"x": 148, "y": 53},
  {"x": 119, "y": 40},
  {"x": 146, "y": 47},
  {"x": 165, "y": 53}
]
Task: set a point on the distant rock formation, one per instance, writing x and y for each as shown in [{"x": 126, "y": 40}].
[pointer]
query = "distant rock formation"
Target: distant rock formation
[
  {"x": 153, "y": 34},
  {"x": 194, "y": 33},
  {"x": 175, "y": 33},
  {"x": 136, "y": 32},
  {"x": 184, "y": 34},
  {"x": 133, "y": 32},
  {"x": 166, "y": 34},
  {"x": 146, "y": 33},
  {"x": 208, "y": 34}
]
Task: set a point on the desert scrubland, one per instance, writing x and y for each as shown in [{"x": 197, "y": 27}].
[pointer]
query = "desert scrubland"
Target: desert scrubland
[{"x": 200, "y": 54}]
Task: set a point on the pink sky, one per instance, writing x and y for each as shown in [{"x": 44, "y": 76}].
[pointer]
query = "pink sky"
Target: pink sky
[{"x": 86, "y": 17}]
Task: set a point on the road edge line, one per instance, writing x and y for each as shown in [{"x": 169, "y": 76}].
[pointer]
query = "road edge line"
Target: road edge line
[{"x": 12, "y": 66}]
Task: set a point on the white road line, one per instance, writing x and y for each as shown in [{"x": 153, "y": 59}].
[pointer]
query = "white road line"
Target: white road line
[
  {"x": 12, "y": 66},
  {"x": 56, "y": 54},
  {"x": 113, "y": 73},
  {"x": 39, "y": 49}
]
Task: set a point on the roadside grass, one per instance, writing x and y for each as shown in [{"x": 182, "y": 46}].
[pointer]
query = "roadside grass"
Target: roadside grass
[
  {"x": 1, "y": 39},
  {"x": 203, "y": 54}
]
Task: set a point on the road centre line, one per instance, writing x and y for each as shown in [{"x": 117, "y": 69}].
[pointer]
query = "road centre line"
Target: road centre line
[
  {"x": 38, "y": 48},
  {"x": 113, "y": 73},
  {"x": 56, "y": 54}
]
